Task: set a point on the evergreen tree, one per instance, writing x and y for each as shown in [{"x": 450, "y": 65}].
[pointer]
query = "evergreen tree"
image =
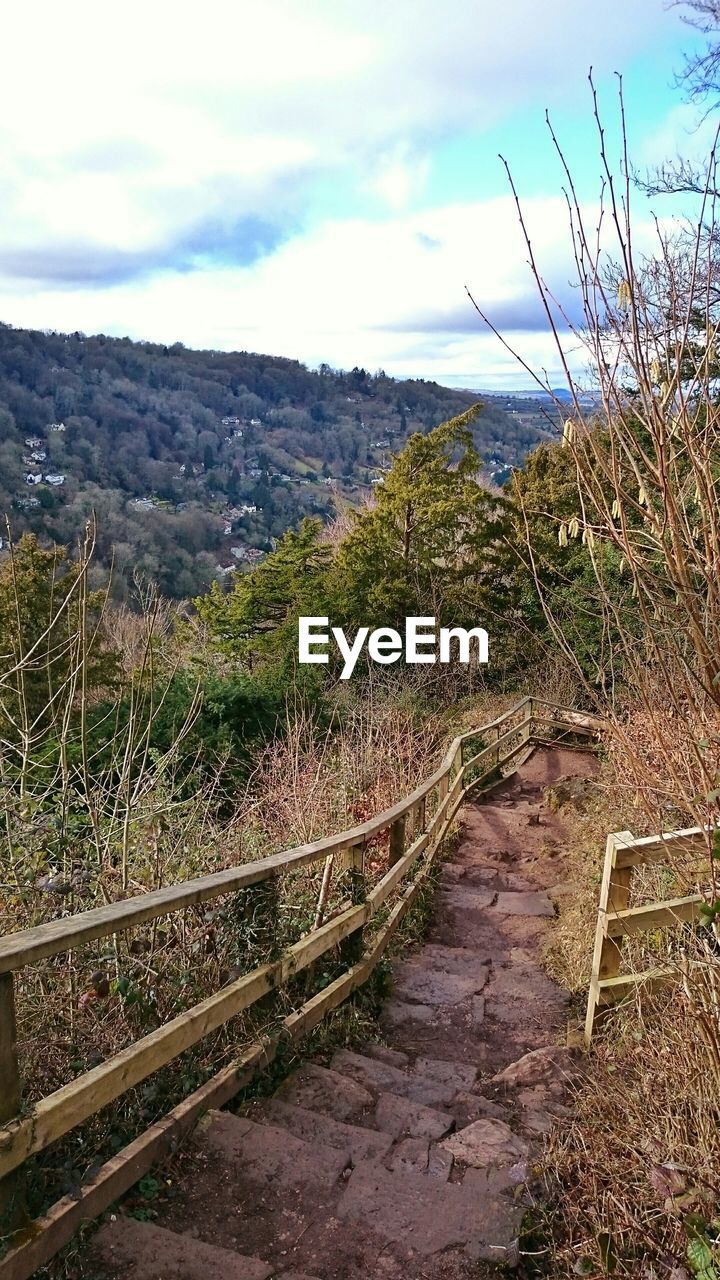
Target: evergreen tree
[{"x": 432, "y": 543}]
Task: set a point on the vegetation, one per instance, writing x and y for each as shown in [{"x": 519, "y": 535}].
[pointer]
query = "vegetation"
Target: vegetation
[
  {"x": 196, "y": 461},
  {"x": 143, "y": 741}
]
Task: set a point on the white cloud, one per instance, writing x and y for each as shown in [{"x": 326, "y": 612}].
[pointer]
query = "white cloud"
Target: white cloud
[
  {"x": 385, "y": 294},
  {"x": 136, "y": 131},
  {"x": 163, "y": 170}
]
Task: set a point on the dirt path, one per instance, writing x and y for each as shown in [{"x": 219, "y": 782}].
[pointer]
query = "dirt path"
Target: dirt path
[{"x": 410, "y": 1158}]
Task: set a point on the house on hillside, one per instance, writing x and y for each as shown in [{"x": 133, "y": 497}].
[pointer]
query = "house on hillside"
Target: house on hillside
[
  {"x": 231, "y": 422},
  {"x": 33, "y": 477},
  {"x": 33, "y": 442},
  {"x": 55, "y": 480},
  {"x": 38, "y": 455},
  {"x": 56, "y": 426}
]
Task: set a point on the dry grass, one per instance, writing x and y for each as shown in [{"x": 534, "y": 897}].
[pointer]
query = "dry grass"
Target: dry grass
[
  {"x": 76, "y": 1010},
  {"x": 633, "y": 1179}
]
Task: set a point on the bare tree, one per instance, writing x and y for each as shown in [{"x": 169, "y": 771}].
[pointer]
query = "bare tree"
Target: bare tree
[
  {"x": 648, "y": 485},
  {"x": 699, "y": 82}
]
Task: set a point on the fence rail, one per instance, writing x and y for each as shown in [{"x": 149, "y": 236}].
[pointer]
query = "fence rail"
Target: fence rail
[
  {"x": 616, "y": 920},
  {"x": 24, "y": 1135}
]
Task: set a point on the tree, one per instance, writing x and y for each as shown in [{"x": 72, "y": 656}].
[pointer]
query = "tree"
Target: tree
[
  {"x": 259, "y": 615},
  {"x": 430, "y": 543},
  {"x": 49, "y": 644},
  {"x": 699, "y": 80}
]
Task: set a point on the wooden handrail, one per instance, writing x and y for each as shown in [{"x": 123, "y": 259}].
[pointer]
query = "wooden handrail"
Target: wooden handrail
[
  {"x": 24, "y": 1135},
  {"x": 29, "y": 945}
]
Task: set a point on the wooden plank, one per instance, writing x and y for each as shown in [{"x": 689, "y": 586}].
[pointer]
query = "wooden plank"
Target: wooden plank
[
  {"x": 494, "y": 748},
  {"x": 27, "y": 946},
  {"x": 647, "y": 849},
  {"x": 655, "y": 915},
  {"x": 68, "y": 1106},
  {"x": 397, "y": 841},
  {"x": 606, "y": 956},
  {"x": 613, "y": 989},
  {"x": 392, "y": 878},
  {"x": 51, "y": 1232}
]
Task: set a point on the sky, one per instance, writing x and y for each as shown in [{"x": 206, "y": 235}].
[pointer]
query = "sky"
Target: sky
[{"x": 320, "y": 179}]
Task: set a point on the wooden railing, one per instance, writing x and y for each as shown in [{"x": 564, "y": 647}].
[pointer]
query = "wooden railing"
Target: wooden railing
[
  {"x": 417, "y": 826},
  {"x": 617, "y": 921}
]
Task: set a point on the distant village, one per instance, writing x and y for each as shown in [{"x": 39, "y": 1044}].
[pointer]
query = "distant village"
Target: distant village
[{"x": 241, "y": 555}]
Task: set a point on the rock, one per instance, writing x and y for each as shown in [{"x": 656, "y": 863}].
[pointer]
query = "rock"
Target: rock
[
  {"x": 428, "y": 1215},
  {"x": 468, "y": 899},
  {"x": 384, "y": 1078},
  {"x": 416, "y": 981},
  {"x": 318, "y": 1089},
  {"x": 570, "y": 793},
  {"x": 409, "y": 1156},
  {"x": 393, "y": 1057},
  {"x": 459, "y": 1075},
  {"x": 397, "y": 1116},
  {"x": 266, "y": 1154},
  {"x": 486, "y": 1144},
  {"x": 549, "y": 1064},
  {"x": 313, "y": 1126},
  {"x": 478, "y": 1010},
  {"x": 413, "y": 1155},
  {"x": 472, "y": 1106},
  {"x": 397, "y": 1012},
  {"x": 144, "y": 1251},
  {"x": 466, "y": 962},
  {"x": 440, "y": 1163},
  {"x": 523, "y": 904}
]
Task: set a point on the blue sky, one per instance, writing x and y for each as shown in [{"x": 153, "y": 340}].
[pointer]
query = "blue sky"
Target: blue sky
[{"x": 319, "y": 178}]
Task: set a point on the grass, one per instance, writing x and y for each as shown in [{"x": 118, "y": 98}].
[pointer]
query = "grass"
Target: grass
[{"x": 632, "y": 1187}]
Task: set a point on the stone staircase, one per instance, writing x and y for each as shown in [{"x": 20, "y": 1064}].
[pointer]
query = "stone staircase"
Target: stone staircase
[{"x": 409, "y": 1158}]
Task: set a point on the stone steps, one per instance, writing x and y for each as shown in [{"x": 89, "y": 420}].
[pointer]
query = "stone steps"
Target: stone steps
[
  {"x": 403, "y": 1160},
  {"x": 269, "y": 1155},
  {"x": 144, "y": 1251},
  {"x": 312, "y": 1126}
]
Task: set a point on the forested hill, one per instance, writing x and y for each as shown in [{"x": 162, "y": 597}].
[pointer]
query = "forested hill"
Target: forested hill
[{"x": 196, "y": 460}]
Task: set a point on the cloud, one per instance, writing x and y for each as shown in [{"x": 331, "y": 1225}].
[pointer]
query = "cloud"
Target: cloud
[
  {"x": 134, "y": 138},
  {"x": 386, "y": 294},
  {"x": 249, "y": 175},
  {"x": 69, "y": 264}
]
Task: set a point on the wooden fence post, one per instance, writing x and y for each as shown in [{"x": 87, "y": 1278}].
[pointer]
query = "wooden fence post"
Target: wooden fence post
[
  {"x": 527, "y": 721},
  {"x": 12, "y": 1207},
  {"x": 607, "y": 953},
  {"x": 397, "y": 841},
  {"x": 419, "y": 818},
  {"x": 262, "y": 910},
  {"x": 351, "y": 948}
]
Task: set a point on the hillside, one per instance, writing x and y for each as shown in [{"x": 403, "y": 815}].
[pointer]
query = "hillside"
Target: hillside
[{"x": 196, "y": 460}]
